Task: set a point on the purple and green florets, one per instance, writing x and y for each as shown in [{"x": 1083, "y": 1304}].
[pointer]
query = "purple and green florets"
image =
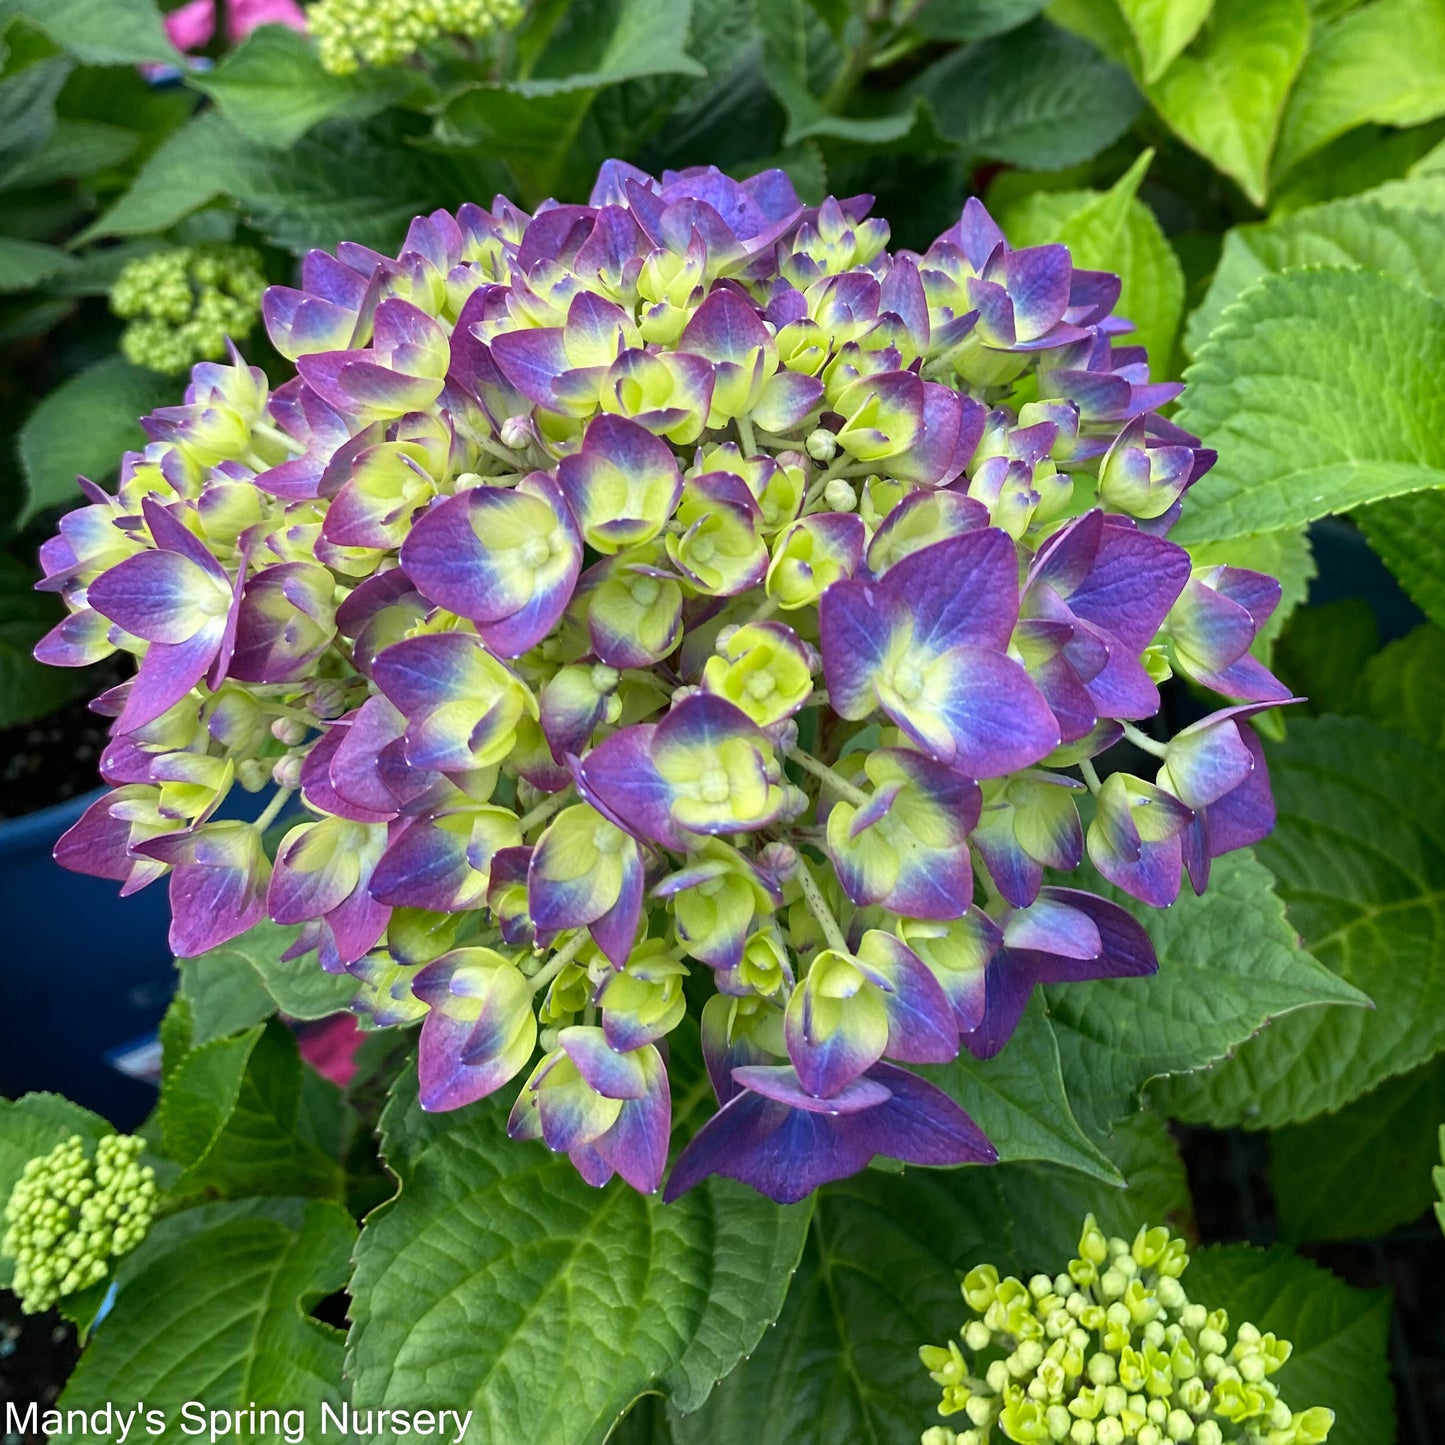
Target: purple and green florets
[{"x": 673, "y": 598}]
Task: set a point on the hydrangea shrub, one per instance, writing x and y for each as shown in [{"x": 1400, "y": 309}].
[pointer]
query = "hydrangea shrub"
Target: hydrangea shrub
[{"x": 674, "y": 604}]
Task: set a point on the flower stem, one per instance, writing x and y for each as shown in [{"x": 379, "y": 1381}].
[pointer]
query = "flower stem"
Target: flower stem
[
  {"x": 829, "y": 778},
  {"x": 818, "y": 907},
  {"x": 1144, "y": 742},
  {"x": 559, "y": 960},
  {"x": 275, "y": 434},
  {"x": 1090, "y": 775},
  {"x": 544, "y": 810},
  {"x": 745, "y": 435},
  {"x": 272, "y": 810}
]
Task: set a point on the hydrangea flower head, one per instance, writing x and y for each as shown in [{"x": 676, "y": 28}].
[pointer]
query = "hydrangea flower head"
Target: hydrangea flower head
[
  {"x": 1110, "y": 1350},
  {"x": 351, "y": 34},
  {"x": 69, "y": 1216},
  {"x": 673, "y": 605}
]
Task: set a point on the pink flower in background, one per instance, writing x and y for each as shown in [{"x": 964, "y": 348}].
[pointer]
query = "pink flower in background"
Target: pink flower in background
[{"x": 193, "y": 25}]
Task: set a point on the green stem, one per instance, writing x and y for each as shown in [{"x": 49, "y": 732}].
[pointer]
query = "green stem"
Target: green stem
[
  {"x": 1090, "y": 775},
  {"x": 762, "y": 611},
  {"x": 544, "y": 810},
  {"x": 829, "y": 778},
  {"x": 559, "y": 960},
  {"x": 275, "y": 434},
  {"x": 818, "y": 907},
  {"x": 1144, "y": 742},
  {"x": 745, "y": 436},
  {"x": 272, "y": 810}
]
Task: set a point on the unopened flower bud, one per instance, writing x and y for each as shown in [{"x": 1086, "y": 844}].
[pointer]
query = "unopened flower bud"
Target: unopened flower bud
[
  {"x": 516, "y": 432},
  {"x": 286, "y": 772},
  {"x": 822, "y": 445},
  {"x": 289, "y": 730},
  {"x": 840, "y": 496}
]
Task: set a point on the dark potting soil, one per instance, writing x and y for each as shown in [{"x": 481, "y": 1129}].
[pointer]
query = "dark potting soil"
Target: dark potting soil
[
  {"x": 37, "y": 1354},
  {"x": 51, "y": 760}
]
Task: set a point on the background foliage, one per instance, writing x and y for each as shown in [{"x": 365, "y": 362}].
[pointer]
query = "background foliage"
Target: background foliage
[{"x": 1269, "y": 178}]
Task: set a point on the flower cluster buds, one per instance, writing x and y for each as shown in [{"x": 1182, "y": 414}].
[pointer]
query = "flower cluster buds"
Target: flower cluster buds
[
  {"x": 351, "y": 34},
  {"x": 1110, "y": 1350},
  {"x": 674, "y": 589},
  {"x": 185, "y": 301},
  {"x": 69, "y": 1216}
]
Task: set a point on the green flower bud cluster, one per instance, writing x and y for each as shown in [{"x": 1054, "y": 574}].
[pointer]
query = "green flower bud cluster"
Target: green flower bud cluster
[
  {"x": 182, "y": 303},
  {"x": 1111, "y": 1350},
  {"x": 355, "y": 33},
  {"x": 70, "y": 1215}
]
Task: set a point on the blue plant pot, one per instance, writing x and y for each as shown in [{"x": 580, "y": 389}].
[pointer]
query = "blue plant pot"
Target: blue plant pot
[{"x": 86, "y": 973}]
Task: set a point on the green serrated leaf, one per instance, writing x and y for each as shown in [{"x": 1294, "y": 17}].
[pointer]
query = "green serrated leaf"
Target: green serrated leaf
[
  {"x": 82, "y": 427},
  {"x": 1225, "y": 95},
  {"x": 1018, "y": 1098},
  {"x": 213, "y": 1306},
  {"x": 1384, "y": 62},
  {"x": 880, "y": 1277},
  {"x": 1359, "y": 854},
  {"x": 1285, "y": 555},
  {"x": 1371, "y": 159},
  {"x": 99, "y": 32},
  {"x": 1408, "y": 535},
  {"x": 971, "y": 19},
  {"x": 273, "y": 90},
  {"x": 26, "y": 263},
  {"x": 496, "y": 1267},
  {"x": 27, "y": 112},
  {"x": 1161, "y": 29},
  {"x": 1358, "y": 232},
  {"x": 1403, "y": 687},
  {"x": 33, "y": 1125},
  {"x": 244, "y": 981},
  {"x": 1113, "y": 231},
  {"x": 1340, "y": 1334},
  {"x": 74, "y": 149},
  {"x": 1229, "y": 962},
  {"x": 1364, "y": 1170},
  {"x": 1038, "y": 97},
  {"x": 228, "y": 1114},
  {"x": 1325, "y": 649},
  {"x": 800, "y": 60},
  {"x": 1320, "y": 391}
]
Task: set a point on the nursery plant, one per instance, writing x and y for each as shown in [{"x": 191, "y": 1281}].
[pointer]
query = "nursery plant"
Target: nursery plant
[{"x": 745, "y": 642}]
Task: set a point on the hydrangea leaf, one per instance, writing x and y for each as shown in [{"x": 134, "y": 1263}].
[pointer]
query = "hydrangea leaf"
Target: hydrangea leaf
[
  {"x": 1359, "y": 232},
  {"x": 1229, "y": 962},
  {"x": 1403, "y": 686},
  {"x": 1324, "y": 651},
  {"x": 82, "y": 427},
  {"x": 1383, "y": 62},
  {"x": 1408, "y": 534},
  {"x": 214, "y": 1306},
  {"x": 1340, "y": 1334},
  {"x": 800, "y": 58},
  {"x": 971, "y": 19},
  {"x": 1038, "y": 97},
  {"x": 1359, "y": 854},
  {"x": 245, "y": 981},
  {"x": 880, "y": 1274},
  {"x": 1224, "y": 96},
  {"x": 98, "y": 32},
  {"x": 1320, "y": 391},
  {"x": 24, "y": 264},
  {"x": 272, "y": 88},
  {"x": 1018, "y": 1098},
  {"x": 1366, "y": 1169},
  {"x": 339, "y": 182},
  {"x": 1371, "y": 159},
  {"x": 234, "y": 1117},
  {"x": 1113, "y": 230},
  {"x": 33, "y": 1125},
  {"x": 1285, "y": 554},
  {"x": 1162, "y": 28},
  {"x": 498, "y": 1281}
]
